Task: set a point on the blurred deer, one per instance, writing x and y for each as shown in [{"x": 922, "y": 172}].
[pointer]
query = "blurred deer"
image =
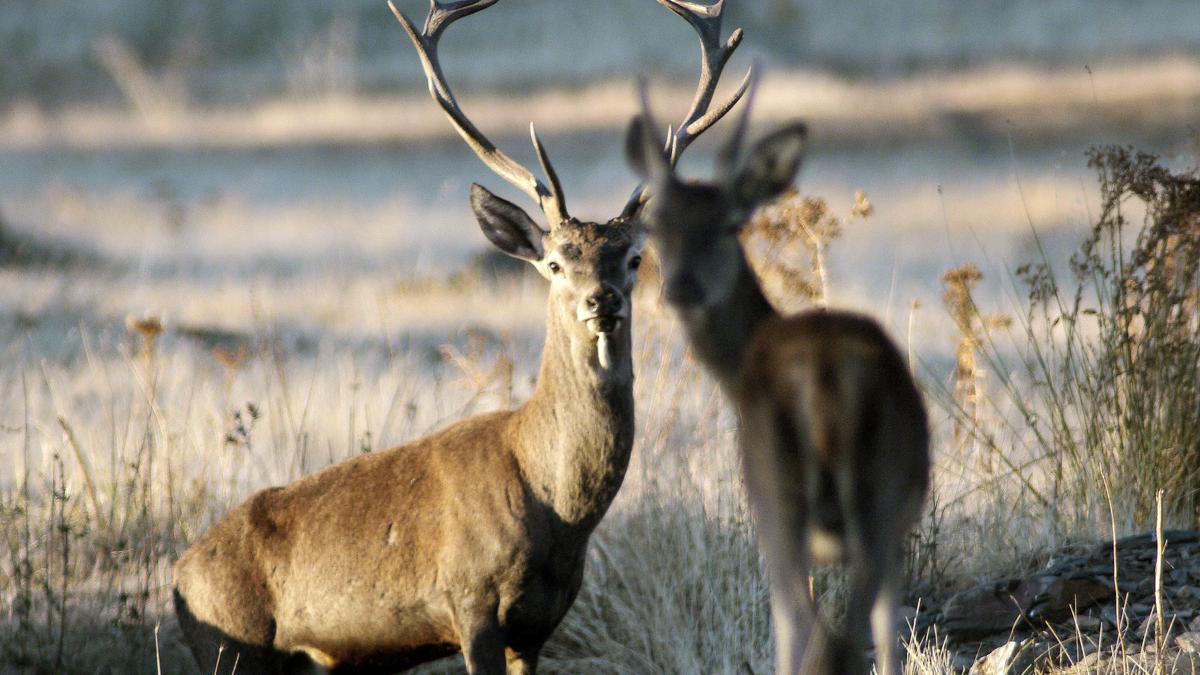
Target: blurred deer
[
  {"x": 833, "y": 438},
  {"x": 472, "y": 538}
]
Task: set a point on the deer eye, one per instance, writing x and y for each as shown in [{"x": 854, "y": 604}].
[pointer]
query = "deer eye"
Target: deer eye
[
  {"x": 635, "y": 262},
  {"x": 555, "y": 268}
]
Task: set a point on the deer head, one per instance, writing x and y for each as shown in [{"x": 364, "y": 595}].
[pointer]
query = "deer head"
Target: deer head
[
  {"x": 591, "y": 266},
  {"x": 695, "y": 224}
]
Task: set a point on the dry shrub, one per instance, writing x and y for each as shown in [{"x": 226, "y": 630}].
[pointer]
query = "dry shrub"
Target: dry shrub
[
  {"x": 787, "y": 241},
  {"x": 1107, "y": 384},
  {"x": 974, "y": 328},
  {"x": 1128, "y": 365}
]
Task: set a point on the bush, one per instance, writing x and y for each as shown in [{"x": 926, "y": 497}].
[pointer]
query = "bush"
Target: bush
[{"x": 1108, "y": 383}]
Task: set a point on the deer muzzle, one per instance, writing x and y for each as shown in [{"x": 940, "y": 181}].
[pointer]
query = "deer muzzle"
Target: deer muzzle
[{"x": 603, "y": 311}]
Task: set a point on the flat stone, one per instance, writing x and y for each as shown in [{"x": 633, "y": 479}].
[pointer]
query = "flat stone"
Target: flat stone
[
  {"x": 1188, "y": 642},
  {"x": 981, "y": 610},
  {"x": 1011, "y": 658},
  {"x": 1171, "y": 625},
  {"x": 1057, "y": 598}
]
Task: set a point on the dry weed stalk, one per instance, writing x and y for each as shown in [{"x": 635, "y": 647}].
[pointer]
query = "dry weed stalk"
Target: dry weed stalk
[
  {"x": 149, "y": 328},
  {"x": 973, "y": 329},
  {"x": 232, "y": 361},
  {"x": 795, "y": 228}
]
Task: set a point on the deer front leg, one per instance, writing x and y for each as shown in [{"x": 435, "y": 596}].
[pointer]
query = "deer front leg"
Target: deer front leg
[
  {"x": 522, "y": 663},
  {"x": 482, "y": 641}
]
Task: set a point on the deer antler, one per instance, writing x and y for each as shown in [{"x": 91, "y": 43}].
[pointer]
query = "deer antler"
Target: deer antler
[
  {"x": 441, "y": 15},
  {"x": 706, "y": 21}
]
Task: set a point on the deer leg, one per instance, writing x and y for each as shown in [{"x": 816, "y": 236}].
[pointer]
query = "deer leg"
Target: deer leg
[
  {"x": 883, "y": 623},
  {"x": 482, "y": 643},
  {"x": 867, "y": 561},
  {"x": 775, "y": 479},
  {"x": 887, "y": 563},
  {"x": 522, "y": 663},
  {"x": 798, "y": 635},
  {"x": 848, "y": 653},
  {"x": 783, "y": 540}
]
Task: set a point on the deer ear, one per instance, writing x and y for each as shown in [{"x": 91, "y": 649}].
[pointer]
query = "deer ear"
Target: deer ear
[
  {"x": 771, "y": 166},
  {"x": 644, "y": 151},
  {"x": 507, "y": 225}
]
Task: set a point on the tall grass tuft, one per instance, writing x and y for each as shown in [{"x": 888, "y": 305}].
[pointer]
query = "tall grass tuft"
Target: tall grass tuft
[
  {"x": 1121, "y": 378},
  {"x": 1107, "y": 379},
  {"x": 973, "y": 328}
]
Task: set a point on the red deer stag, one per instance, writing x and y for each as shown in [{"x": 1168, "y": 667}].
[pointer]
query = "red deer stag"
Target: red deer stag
[
  {"x": 472, "y": 538},
  {"x": 834, "y": 440}
]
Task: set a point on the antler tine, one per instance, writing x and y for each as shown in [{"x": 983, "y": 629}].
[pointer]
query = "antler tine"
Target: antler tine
[
  {"x": 706, "y": 21},
  {"x": 556, "y": 190},
  {"x": 440, "y": 16}
]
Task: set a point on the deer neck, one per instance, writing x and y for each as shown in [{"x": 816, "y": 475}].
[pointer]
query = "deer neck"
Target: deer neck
[
  {"x": 719, "y": 333},
  {"x": 576, "y": 431}
]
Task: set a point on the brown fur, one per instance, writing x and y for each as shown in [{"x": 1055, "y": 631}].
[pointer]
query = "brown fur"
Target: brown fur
[
  {"x": 833, "y": 439},
  {"x": 473, "y": 537},
  {"x": 834, "y": 445}
]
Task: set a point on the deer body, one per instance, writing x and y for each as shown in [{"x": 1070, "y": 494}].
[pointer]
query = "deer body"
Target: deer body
[
  {"x": 477, "y": 532},
  {"x": 833, "y": 436}
]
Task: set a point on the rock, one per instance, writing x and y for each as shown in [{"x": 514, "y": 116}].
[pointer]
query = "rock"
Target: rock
[
  {"x": 1090, "y": 663},
  {"x": 1074, "y": 594},
  {"x": 981, "y": 610},
  {"x": 906, "y": 619},
  {"x": 961, "y": 662},
  {"x": 1171, "y": 626},
  {"x": 997, "y": 607},
  {"x": 1140, "y": 609},
  {"x": 1058, "y": 597},
  {"x": 1011, "y": 658},
  {"x": 1145, "y": 587},
  {"x": 1188, "y": 642}
]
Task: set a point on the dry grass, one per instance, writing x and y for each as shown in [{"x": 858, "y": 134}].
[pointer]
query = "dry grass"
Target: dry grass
[{"x": 122, "y": 439}]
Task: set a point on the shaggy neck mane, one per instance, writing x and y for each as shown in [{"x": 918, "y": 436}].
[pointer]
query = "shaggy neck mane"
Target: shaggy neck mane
[{"x": 575, "y": 433}]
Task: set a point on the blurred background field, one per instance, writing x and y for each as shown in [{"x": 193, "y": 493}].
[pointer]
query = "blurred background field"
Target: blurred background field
[{"x": 273, "y": 185}]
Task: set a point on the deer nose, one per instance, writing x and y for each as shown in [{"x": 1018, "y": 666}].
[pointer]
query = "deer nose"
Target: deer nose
[
  {"x": 605, "y": 301},
  {"x": 684, "y": 291}
]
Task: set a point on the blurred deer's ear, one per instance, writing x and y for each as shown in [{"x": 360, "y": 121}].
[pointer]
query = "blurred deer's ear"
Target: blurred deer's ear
[
  {"x": 507, "y": 225},
  {"x": 644, "y": 151},
  {"x": 771, "y": 165}
]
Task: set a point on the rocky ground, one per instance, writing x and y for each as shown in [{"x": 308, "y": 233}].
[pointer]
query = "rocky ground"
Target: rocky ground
[{"x": 1070, "y": 617}]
